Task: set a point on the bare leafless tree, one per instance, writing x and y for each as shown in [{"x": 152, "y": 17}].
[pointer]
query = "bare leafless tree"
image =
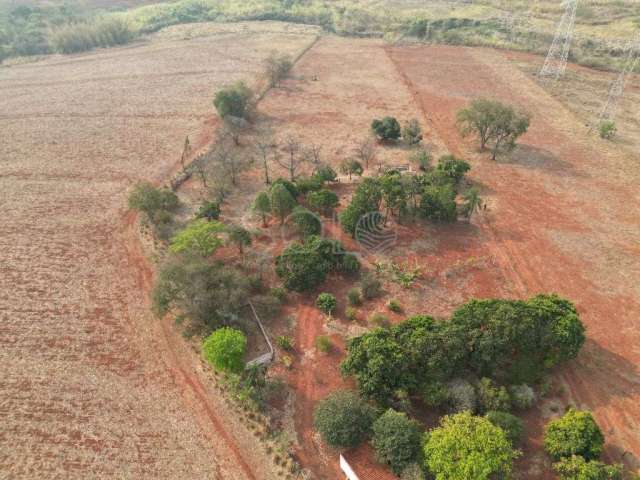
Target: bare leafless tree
[
  {"x": 312, "y": 154},
  {"x": 265, "y": 145},
  {"x": 186, "y": 153},
  {"x": 292, "y": 160},
  {"x": 233, "y": 127},
  {"x": 365, "y": 151}
]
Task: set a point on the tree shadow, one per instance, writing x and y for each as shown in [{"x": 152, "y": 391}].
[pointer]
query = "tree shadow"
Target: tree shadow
[{"x": 532, "y": 157}]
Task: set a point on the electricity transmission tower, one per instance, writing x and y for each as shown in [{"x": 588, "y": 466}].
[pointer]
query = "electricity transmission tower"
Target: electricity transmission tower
[
  {"x": 556, "y": 61},
  {"x": 617, "y": 87}
]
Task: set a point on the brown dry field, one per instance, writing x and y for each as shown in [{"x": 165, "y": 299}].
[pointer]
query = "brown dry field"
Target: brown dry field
[
  {"x": 92, "y": 385},
  {"x": 562, "y": 217}
]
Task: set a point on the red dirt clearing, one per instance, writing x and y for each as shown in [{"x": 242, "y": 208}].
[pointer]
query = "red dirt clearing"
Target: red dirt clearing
[{"x": 564, "y": 217}]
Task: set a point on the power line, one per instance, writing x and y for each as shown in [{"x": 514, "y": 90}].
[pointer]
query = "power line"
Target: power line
[{"x": 556, "y": 62}]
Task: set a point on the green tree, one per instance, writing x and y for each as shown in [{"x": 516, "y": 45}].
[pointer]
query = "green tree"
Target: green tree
[
  {"x": 492, "y": 397},
  {"x": 206, "y": 292},
  {"x": 151, "y": 200},
  {"x": 239, "y": 236},
  {"x": 438, "y": 203},
  {"x": 493, "y": 121},
  {"x": 575, "y": 433},
  {"x": 306, "y": 222},
  {"x": 577, "y": 468},
  {"x": 234, "y": 101},
  {"x": 282, "y": 203},
  {"x": 366, "y": 199},
  {"x": 472, "y": 202},
  {"x": 209, "y": 210},
  {"x": 396, "y": 440},
  {"x": 262, "y": 205},
  {"x": 453, "y": 168},
  {"x": 512, "y": 425},
  {"x": 225, "y": 349},
  {"x": 422, "y": 158},
  {"x": 277, "y": 67},
  {"x": 325, "y": 173},
  {"x": 326, "y": 303},
  {"x": 351, "y": 167},
  {"x": 200, "y": 236},
  {"x": 411, "y": 132},
  {"x": 322, "y": 201},
  {"x": 466, "y": 447},
  {"x": 386, "y": 129},
  {"x": 343, "y": 419}
]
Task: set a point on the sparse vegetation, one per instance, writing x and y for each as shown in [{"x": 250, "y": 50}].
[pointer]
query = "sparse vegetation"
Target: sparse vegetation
[
  {"x": 412, "y": 132},
  {"x": 323, "y": 344},
  {"x": 327, "y": 303},
  {"x": 607, "y": 129}
]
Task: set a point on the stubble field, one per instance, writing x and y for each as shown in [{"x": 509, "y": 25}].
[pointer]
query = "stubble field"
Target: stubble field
[{"x": 92, "y": 386}]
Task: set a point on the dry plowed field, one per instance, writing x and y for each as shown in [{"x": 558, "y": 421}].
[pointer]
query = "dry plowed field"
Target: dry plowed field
[{"x": 91, "y": 385}]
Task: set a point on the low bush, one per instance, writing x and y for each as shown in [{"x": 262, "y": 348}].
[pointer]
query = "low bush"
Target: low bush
[
  {"x": 102, "y": 32},
  {"x": 151, "y": 200},
  {"x": 386, "y": 129},
  {"x": 351, "y": 313},
  {"x": 435, "y": 394},
  {"x": 577, "y": 468},
  {"x": 512, "y": 425},
  {"x": 354, "y": 297},
  {"x": 327, "y": 303},
  {"x": 394, "y": 306},
  {"x": 378, "y": 319},
  {"x": 279, "y": 293},
  {"x": 306, "y": 223},
  {"x": 370, "y": 287},
  {"x": 522, "y": 396},
  {"x": 323, "y": 344},
  {"x": 234, "y": 101},
  {"x": 462, "y": 396},
  {"x": 607, "y": 129},
  {"x": 492, "y": 397},
  {"x": 285, "y": 342},
  {"x": 322, "y": 201},
  {"x": 411, "y": 132},
  {"x": 209, "y": 210}
]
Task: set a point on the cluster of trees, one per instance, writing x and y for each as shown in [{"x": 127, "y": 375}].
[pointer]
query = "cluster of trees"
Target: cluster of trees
[
  {"x": 493, "y": 122},
  {"x": 431, "y": 195},
  {"x": 157, "y": 205},
  {"x": 506, "y": 342},
  {"x": 576, "y": 442},
  {"x": 305, "y": 265},
  {"x": 388, "y": 129},
  {"x": 463, "y": 447}
]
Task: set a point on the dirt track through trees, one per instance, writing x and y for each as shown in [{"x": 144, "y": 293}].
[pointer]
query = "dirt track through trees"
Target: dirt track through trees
[{"x": 89, "y": 385}]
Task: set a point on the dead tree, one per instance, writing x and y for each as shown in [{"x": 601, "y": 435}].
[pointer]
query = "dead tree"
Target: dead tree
[
  {"x": 312, "y": 154},
  {"x": 233, "y": 127},
  {"x": 186, "y": 153},
  {"x": 292, "y": 161},
  {"x": 265, "y": 145},
  {"x": 366, "y": 151}
]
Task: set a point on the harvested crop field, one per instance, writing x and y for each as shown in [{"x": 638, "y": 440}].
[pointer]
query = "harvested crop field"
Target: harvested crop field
[{"x": 92, "y": 385}]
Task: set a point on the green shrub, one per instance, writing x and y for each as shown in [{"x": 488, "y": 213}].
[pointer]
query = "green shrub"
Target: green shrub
[
  {"x": 512, "y": 425},
  {"x": 354, "y": 297},
  {"x": 281, "y": 201},
  {"x": 453, "y": 168},
  {"x": 279, "y": 293},
  {"x": 411, "y": 132},
  {"x": 151, "y": 200},
  {"x": 438, "y": 203},
  {"x": 225, "y": 349},
  {"x": 351, "y": 314},
  {"x": 422, "y": 158},
  {"x": 522, "y": 396},
  {"x": 378, "y": 319},
  {"x": 322, "y": 201},
  {"x": 285, "y": 342},
  {"x": 577, "y": 468},
  {"x": 576, "y": 433},
  {"x": 396, "y": 440},
  {"x": 370, "y": 287},
  {"x": 343, "y": 419},
  {"x": 209, "y": 210},
  {"x": 325, "y": 173},
  {"x": 234, "y": 101},
  {"x": 323, "y": 344},
  {"x": 306, "y": 185},
  {"x": 306, "y": 222},
  {"x": 412, "y": 472},
  {"x": 200, "y": 237},
  {"x": 350, "y": 264},
  {"x": 462, "y": 396},
  {"x": 394, "y": 306},
  {"x": 386, "y": 129},
  {"x": 102, "y": 32},
  {"x": 607, "y": 129},
  {"x": 468, "y": 447},
  {"x": 435, "y": 394},
  {"x": 326, "y": 303},
  {"x": 492, "y": 397}
]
